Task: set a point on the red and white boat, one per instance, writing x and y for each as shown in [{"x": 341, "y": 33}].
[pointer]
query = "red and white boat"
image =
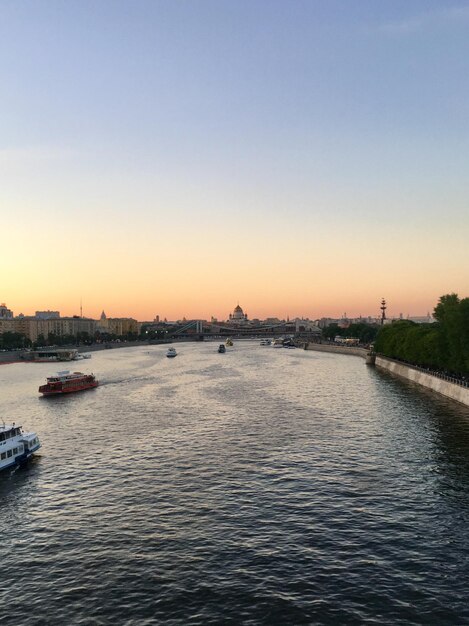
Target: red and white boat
[{"x": 68, "y": 382}]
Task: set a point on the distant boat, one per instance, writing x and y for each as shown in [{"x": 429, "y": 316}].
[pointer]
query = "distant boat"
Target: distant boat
[
  {"x": 278, "y": 343},
  {"x": 171, "y": 353},
  {"x": 221, "y": 349},
  {"x": 265, "y": 342},
  {"x": 229, "y": 342},
  {"x": 52, "y": 354}
]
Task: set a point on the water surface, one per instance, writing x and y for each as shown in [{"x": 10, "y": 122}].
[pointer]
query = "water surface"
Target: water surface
[{"x": 259, "y": 486}]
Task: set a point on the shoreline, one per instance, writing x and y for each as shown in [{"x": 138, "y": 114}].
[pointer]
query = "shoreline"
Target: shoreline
[
  {"x": 444, "y": 388},
  {"x": 8, "y": 358}
]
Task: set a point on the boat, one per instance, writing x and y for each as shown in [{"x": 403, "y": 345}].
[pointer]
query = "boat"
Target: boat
[
  {"x": 16, "y": 446},
  {"x": 68, "y": 382},
  {"x": 278, "y": 343},
  {"x": 80, "y": 357},
  {"x": 229, "y": 342},
  {"x": 171, "y": 353},
  {"x": 221, "y": 349},
  {"x": 265, "y": 342},
  {"x": 52, "y": 354}
]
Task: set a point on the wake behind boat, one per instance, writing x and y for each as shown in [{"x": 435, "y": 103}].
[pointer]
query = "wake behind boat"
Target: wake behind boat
[
  {"x": 66, "y": 382},
  {"x": 16, "y": 446}
]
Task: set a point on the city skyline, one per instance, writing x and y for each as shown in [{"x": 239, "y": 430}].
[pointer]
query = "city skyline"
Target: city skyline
[
  {"x": 171, "y": 158},
  {"x": 50, "y": 313}
]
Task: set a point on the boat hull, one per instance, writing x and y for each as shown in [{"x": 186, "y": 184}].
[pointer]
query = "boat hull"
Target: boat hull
[
  {"x": 60, "y": 392},
  {"x": 20, "y": 460}
]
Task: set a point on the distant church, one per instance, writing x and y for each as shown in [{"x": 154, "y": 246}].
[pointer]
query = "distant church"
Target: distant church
[{"x": 238, "y": 316}]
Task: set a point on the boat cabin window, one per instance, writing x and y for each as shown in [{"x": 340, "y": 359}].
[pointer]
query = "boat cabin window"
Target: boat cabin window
[
  {"x": 4, "y": 455},
  {"x": 8, "y": 434}
]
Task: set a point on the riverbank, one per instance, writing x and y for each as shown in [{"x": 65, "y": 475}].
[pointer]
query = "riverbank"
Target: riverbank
[
  {"x": 415, "y": 375},
  {"x": 350, "y": 350},
  {"x": 408, "y": 372},
  {"x": 16, "y": 356}
]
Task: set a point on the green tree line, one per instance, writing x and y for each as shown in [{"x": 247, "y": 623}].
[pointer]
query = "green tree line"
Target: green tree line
[
  {"x": 366, "y": 333},
  {"x": 443, "y": 345}
]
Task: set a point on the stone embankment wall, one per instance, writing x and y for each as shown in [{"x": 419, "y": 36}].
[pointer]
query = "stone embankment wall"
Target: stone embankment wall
[
  {"x": 324, "y": 347},
  {"x": 439, "y": 385},
  {"x": 445, "y": 388}
]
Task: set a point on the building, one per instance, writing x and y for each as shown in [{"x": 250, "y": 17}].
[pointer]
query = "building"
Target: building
[
  {"x": 32, "y": 327},
  {"x": 238, "y": 316},
  {"x": 47, "y": 315},
  {"x": 117, "y": 325},
  {"x": 5, "y": 313},
  {"x": 7, "y": 325}
]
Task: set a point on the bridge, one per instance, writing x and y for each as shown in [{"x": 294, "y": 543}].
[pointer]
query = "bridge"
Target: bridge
[{"x": 200, "y": 329}]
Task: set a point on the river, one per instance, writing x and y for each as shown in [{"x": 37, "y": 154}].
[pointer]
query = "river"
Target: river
[{"x": 260, "y": 486}]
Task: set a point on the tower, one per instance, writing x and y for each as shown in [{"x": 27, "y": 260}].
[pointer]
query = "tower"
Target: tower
[{"x": 383, "y": 311}]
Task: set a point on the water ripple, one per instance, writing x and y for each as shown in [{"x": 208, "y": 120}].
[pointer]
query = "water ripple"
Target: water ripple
[{"x": 258, "y": 487}]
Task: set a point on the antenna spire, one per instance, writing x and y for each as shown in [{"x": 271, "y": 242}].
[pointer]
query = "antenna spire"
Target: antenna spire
[{"x": 383, "y": 310}]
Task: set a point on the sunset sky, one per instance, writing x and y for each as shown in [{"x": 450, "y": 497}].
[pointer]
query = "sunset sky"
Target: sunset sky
[{"x": 175, "y": 157}]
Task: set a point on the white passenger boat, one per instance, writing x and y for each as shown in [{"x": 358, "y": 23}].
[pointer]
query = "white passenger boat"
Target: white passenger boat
[
  {"x": 171, "y": 353},
  {"x": 16, "y": 446},
  {"x": 265, "y": 342}
]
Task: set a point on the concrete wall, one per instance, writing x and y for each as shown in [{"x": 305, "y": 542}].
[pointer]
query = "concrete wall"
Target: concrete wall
[
  {"x": 324, "y": 347},
  {"x": 445, "y": 388}
]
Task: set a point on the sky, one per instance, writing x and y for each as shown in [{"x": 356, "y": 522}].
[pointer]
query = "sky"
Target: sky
[{"x": 176, "y": 157}]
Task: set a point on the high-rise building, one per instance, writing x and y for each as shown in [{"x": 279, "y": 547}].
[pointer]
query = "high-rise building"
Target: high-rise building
[{"x": 5, "y": 313}]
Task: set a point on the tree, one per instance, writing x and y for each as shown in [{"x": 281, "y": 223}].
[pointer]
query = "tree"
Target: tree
[
  {"x": 331, "y": 331},
  {"x": 448, "y": 314},
  {"x": 13, "y": 341},
  {"x": 443, "y": 345}
]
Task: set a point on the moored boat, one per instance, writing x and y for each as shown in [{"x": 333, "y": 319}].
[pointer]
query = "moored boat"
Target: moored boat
[
  {"x": 68, "y": 382},
  {"x": 171, "y": 353},
  {"x": 81, "y": 356},
  {"x": 16, "y": 446},
  {"x": 278, "y": 343}
]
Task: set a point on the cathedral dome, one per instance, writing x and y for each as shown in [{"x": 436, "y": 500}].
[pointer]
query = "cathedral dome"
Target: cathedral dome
[{"x": 238, "y": 314}]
